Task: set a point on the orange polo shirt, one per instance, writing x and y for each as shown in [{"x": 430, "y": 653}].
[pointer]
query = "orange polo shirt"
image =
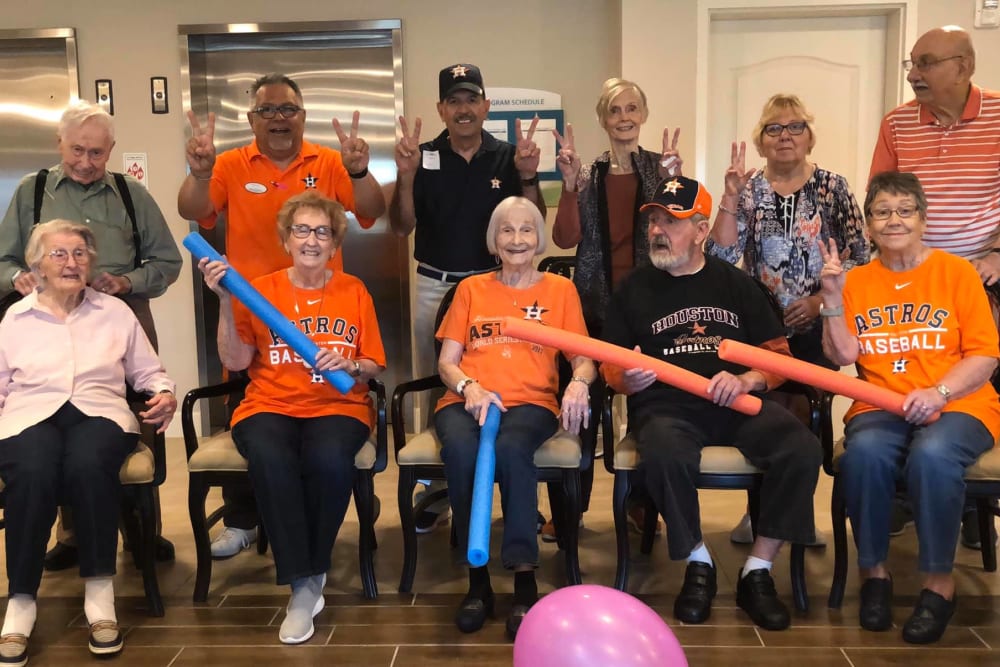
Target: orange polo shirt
[{"x": 247, "y": 185}]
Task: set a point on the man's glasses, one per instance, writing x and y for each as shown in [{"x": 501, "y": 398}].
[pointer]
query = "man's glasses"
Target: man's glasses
[
  {"x": 903, "y": 212},
  {"x": 794, "y": 128},
  {"x": 61, "y": 256},
  {"x": 323, "y": 233},
  {"x": 924, "y": 64},
  {"x": 269, "y": 111}
]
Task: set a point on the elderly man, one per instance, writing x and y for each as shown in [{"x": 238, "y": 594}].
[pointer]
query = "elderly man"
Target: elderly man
[
  {"x": 251, "y": 183},
  {"x": 679, "y": 309},
  {"x": 949, "y": 136},
  {"x": 138, "y": 256},
  {"x": 446, "y": 189}
]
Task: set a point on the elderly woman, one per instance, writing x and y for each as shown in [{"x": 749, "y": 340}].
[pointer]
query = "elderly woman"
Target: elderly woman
[
  {"x": 916, "y": 321},
  {"x": 298, "y": 433},
  {"x": 482, "y": 367},
  {"x": 771, "y": 219},
  {"x": 599, "y": 210},
  {"x": 66, "y": 352}
]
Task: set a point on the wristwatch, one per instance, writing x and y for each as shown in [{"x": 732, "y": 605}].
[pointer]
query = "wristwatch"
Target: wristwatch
[
  {"x": 830, "y": 312},
  {"x": 462, "y": 384},
  {"x": 944, "y": 391},
  {"x": 357, "y": 369}
]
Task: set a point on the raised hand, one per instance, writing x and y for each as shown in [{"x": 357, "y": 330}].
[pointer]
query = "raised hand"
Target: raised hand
[
  {"x": 353, "y": 150},
  {"x": 737, "y": 175},
  {"x": 526, "y": 153},
  {"x": 408, "y": 147},
  {"x": 213, "y": 272},
  {"x": 832, "y": 275},
  {"x": 200, "y": 147},
  {"x": 670, "y": 158},
  {"x": 567, "y": 160}
]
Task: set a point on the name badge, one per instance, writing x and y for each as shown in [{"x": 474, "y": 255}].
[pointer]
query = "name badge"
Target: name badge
[
  {"x": 256, "y": 188},
  {"x": 432, "y": 160}
]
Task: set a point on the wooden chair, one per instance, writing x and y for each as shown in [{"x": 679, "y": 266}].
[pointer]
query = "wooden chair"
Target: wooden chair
[
  {"x": 722, "y": 467},
  {"x": 214, "y": 460},
  {"x": 982, "y": 480}
]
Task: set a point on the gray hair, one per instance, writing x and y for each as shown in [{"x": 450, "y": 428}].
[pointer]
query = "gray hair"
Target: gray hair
[
  {"x": 34, "y": 252},
  {"x": 82, "y": 112},
  {"x": 500, "y": 214},
  {"x": 274, "y": 79}
]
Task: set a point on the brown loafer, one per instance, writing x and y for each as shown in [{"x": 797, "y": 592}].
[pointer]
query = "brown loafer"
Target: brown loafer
[
  {"x": 13, "y": 650},
  {"x": 106, "y": 638}
]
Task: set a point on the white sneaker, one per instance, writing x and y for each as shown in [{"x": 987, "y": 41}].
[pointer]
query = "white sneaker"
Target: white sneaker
[
  {"x": 743, "y": 532},
  {"x": 231, "y": 541},
  {"x": 306, "y": 603}
]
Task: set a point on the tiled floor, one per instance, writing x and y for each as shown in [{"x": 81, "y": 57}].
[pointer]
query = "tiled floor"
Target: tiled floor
[{"x": 239, "y": 625}]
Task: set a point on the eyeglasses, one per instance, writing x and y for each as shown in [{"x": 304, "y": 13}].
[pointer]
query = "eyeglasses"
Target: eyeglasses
[
  {"x": 903, "y": 212},
  {"x": 795, "y": 128},
  {"x": 61, "y": 256},
  {"x": 323, "y": 233},
  {"x": 924, "y": 64},
  {"x": 269, "y": 111}
]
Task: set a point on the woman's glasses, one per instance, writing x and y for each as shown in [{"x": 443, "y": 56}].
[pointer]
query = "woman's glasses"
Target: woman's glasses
[
  {"x": 794, "y": 128},
  {"x": 323, "y": 233}
]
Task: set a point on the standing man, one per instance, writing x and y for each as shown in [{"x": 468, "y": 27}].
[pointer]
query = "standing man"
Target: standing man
[
  {"x": 678, "y": 309},
  {"x": 949, "y": 137},
  {"x": 251, "y": 183},
  {"x": 138, "y": 257},
  {"x": 446, "y": 189}
]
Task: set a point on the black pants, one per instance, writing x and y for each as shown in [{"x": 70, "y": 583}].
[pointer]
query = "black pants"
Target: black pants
[
  {"x": 72, "y": 458},
  {"x": 775, "y": 441}
]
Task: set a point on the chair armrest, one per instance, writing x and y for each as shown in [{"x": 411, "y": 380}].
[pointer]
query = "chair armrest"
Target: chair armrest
[
  {"x": 608, "y": 430},
  {"x": 814, "y": 396},
  {"x": 197, "y": 394},
  {"x": 826, "y": 431},
  {"x": 396, "y": 407},
  {"x": 381, "y": 426}
]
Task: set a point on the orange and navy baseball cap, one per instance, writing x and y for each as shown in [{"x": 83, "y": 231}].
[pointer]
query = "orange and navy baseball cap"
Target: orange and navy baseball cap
[
  {"x": 462, "y": 76},
  {"x": 681, "y": 197}
]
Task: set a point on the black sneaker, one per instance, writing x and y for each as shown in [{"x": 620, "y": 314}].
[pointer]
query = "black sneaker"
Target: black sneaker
[
  {"x": 427, "y": 521},
  {"x": 473, "y": 611},
  {"x": 694, "y": 602},
  {"x": 755, "y": 594},
  {"x": 970, "y": 531},
  {"x": 902, "y": 516},
  {"x": 875, "y": 613},
  {"x": 60, "y": 557},
  {"x": 929, "y": 619}
]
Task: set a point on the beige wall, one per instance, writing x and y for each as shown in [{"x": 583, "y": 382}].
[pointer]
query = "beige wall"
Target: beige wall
[{"x": 568, "y": 46}]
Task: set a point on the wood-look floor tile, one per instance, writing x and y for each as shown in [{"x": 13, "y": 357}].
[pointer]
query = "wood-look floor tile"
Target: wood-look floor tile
[
  {"x": 383, "y": 615},
  {"x": 922, "y": 655},
  {"x": 698, "y": 656},
  {"x": 440, "y": 656},
  {"x": 131, "y": 656},
  {"x": 215, "y": 635},
  {"x": 306, "y": 655},
  {"x": 440, "y": 633},
  {"x": 990, "y": 635},
  {"x": 959, "y": 638},
  {"x": 716, "y": 635}
]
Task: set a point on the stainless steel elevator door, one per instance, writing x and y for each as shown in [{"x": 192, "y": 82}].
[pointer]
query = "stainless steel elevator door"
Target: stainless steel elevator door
[
  {"x": 338, "y": 71},
  {"x": 38, "y": 79}
]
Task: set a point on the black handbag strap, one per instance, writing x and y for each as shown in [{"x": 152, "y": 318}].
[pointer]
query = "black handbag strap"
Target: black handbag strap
[{"x": 40, "y": 179}]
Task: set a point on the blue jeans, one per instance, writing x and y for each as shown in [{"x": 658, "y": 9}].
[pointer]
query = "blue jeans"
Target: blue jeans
[
  {"x": 523, "y": 429},
  {"x": 882, "y": 449},
  {"x": 302, "y": 471}
]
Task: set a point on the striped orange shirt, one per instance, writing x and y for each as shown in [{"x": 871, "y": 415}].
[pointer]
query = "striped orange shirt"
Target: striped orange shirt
[{"x": 958, "y": 166}]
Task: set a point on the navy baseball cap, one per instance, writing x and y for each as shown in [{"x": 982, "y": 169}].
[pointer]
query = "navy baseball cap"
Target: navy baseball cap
[
  {"x": 462, "y": 76},
  {"x": 681, "y": 197}
]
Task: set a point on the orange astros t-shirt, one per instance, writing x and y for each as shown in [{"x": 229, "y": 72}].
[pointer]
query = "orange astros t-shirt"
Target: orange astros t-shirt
[
  {"x": 341, "y": 317},
  {"x": 521, "y": 372},
  {"x": 914, "y": 326}
]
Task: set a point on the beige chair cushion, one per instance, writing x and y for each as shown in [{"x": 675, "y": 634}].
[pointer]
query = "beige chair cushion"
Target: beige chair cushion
[
  {"x": 137, "y": 469},
  {"x": 218, "y": 453},
  {"x": 562, "y": 450},
  {"x": 714, "y": 459},
  {"x": 987, "y": 467}
]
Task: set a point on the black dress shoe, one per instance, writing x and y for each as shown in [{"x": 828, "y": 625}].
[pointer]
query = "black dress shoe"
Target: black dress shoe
[
  {"x": 164, "y": 549},
  {"x": 472, "y": 613},
  {"x": 694, "y": 602},
  {"x": 755, "y": 594},
  {"x": 876, "y": 604},
  {"x": 517, "y": 614},
  {"x": 60, "y": 557},
  {"x": 929, "y": 619}
]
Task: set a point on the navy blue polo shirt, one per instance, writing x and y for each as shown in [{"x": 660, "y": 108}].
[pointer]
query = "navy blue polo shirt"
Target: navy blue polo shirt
[{"x": 454, "y": 203}]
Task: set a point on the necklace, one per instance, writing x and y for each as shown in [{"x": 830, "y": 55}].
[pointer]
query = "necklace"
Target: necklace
[
  {"x": 515, "y": 289},
  {"x": 295, "y": 296}
]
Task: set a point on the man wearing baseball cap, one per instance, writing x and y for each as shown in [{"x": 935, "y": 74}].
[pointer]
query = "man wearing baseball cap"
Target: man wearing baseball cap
[
  {"x": 678, "y": 309},
  {"x": 446, "y": 189}
]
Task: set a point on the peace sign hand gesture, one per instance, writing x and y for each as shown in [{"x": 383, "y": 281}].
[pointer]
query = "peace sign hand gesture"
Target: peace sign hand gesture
[
  {"x": 737, "y": 175},
  {"x": 670, "y": 158},
  {"x": 200, "y": 148},
  {"x": 527, "y": 153},
  {"x": 353, "y": 150},
  {"x": 567, "y": 160},
  {"x": 832, "y": 275},
  {"x": 407, "y": 152}
]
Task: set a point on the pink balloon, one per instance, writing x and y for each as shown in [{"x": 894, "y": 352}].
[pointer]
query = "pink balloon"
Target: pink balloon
[{"x": 595, "y": 626}]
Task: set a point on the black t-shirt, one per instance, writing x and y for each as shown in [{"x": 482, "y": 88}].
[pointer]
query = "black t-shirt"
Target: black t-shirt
[
  {"x": 453, "y": 204},
  {"x": 682, "y": 320}
]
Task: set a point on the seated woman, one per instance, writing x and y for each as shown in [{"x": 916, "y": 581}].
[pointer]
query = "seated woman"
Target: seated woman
[
  {"x": 297, "y": 432},
  {"x": 916, "y": 321},
  {"x": 66, "y": 352},
  {"x": 482, "y": 367}
]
